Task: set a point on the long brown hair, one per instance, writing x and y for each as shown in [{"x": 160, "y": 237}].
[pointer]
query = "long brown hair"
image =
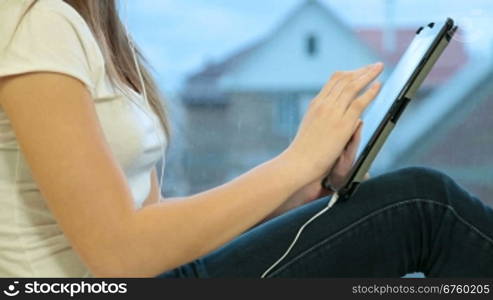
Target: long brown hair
[{"x": 104, "y": 22}]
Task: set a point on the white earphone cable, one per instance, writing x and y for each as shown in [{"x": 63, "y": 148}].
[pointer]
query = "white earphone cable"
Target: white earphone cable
[
  {"x": 144, "y": 94},
  {"x": 146, "y": 100},
  {"x": 139, "y": 73},
  {"x": 331, "y": 203}
]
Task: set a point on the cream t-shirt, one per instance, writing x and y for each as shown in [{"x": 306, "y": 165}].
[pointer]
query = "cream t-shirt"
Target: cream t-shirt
[{"x": 54, "y": 37}]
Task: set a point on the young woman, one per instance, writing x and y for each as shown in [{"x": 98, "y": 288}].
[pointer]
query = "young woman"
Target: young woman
[{"x": 79, "y": 193}]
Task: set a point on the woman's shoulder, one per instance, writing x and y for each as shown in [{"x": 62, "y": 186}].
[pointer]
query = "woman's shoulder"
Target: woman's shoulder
[
  {"x": 14, "y": 9},
  {"x": 51, "y": 36},
  {"x": 12, "y": 13},
  {"x": 61, "y": 9}
]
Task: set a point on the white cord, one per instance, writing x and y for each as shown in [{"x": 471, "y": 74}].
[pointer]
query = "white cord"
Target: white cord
[
  {"x": 146, "y": 100},
  {"x": 139, "y": 73},
  {"x": 144, "y": 94},
  {"x": 332, "y": 201}
]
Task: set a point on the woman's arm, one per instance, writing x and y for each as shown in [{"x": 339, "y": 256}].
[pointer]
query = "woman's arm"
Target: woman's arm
[
  {"x": 57, "y": 127},
  {"x": 59, "y": 133}
]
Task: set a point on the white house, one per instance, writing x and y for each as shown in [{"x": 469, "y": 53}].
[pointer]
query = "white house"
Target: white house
[
  {"x": 300, "y": 54},
  {"x": 246, "y": 109}
]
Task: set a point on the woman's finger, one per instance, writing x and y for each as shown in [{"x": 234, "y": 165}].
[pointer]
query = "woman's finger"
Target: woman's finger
[
  {"x": 358, "y": 106},
  {"x": 345, "y": 161},
  {"x": 351, "y": 82},
  {"x": 347, "y": 158},
  {"x": 354, "y": 87},
  {"x": 354, "y": 143},
  {"x": 341, "y": 79}
]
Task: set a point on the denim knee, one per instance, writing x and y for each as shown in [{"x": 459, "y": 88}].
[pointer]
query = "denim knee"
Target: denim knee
[
  {"x": 430, "y": 184},
  {"x": 411, "y": 183}
]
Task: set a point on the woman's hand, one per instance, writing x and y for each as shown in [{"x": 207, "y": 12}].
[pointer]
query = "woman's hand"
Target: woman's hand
[
  {"x": 340, "y": 171},
  {"x": 314, "y": 190},
  {"x": 329, "y": 136},
  {"x": 332, "y": 119}
]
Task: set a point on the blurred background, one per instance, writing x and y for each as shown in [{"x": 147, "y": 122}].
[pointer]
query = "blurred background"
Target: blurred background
[{"x": 238, "y": 76}]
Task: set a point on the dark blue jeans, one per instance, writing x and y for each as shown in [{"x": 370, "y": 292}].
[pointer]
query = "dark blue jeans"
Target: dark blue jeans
[{"x": 410, "y": 220}]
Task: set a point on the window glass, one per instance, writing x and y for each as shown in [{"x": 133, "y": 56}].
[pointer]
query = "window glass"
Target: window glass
[{"x": 239, "y": 75}]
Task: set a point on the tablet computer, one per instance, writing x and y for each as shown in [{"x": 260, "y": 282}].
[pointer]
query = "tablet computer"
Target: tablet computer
[{"x": 384, "y": 112}]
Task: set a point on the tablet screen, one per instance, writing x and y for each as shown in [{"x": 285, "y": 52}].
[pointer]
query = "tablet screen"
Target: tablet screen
[{"x": 393, "y": 86}]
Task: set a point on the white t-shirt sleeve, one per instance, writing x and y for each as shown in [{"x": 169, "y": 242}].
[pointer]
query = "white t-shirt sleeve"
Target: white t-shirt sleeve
[{"x": 47, "y": 41}]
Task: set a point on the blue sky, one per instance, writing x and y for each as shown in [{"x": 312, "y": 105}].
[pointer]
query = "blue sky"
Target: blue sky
[{"x": 178, "y": 36}]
